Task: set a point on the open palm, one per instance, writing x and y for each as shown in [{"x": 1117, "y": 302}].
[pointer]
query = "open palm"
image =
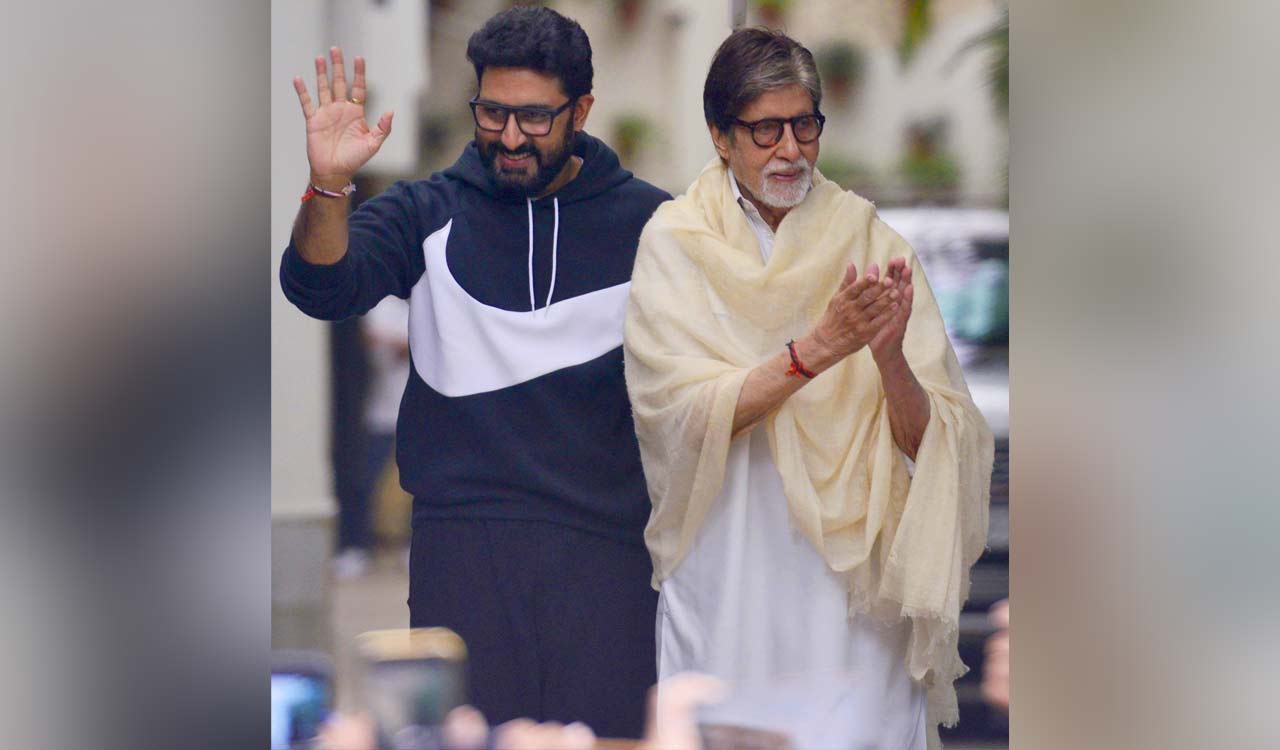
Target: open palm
[{"x": 339, "y": 141}]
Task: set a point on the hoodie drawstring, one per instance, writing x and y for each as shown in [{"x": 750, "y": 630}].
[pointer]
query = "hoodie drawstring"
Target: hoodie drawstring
[
  {"x": 532, "y": 304},
  {"x": 555, "y": 241}
]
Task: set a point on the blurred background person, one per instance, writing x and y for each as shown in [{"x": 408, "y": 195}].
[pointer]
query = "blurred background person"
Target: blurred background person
[
  {"x": 995, "y": 669},
  {"x": 385, "y": 341}
]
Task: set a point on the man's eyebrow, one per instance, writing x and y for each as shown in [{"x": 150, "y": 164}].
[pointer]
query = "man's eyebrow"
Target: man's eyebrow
[
  {"x": 793, "y": 117},
  {"x": 515, "y": 106}
]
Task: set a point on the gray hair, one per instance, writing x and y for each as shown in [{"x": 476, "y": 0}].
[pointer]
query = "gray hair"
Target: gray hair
[{"x": 752, "y": 62}]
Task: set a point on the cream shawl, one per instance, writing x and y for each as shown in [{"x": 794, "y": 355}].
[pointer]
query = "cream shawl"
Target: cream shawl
[{"x": 705, "y": 309}]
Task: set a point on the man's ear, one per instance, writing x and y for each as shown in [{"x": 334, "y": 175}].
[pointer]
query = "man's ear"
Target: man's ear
[
  {"x": 721, "y": 140},
  {"x": 581, "y": 109}
]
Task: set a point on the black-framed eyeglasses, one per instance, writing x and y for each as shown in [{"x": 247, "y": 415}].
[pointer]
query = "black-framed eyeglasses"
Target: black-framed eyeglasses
[
  {"x": 532, "y": 121},
  {"x": 767, "y": 132}
]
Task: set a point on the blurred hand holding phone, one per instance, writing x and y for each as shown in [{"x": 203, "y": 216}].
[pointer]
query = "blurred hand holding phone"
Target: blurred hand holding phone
[
  {"x": 301, "y": 697},
  {"x": 411, "y": 679}
]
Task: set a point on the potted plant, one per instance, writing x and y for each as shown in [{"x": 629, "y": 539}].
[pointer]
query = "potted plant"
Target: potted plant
[
  {"x": 631, "y": 131},
  {"x": 847, "y": 172},
  {"x": 772, "y": 12},
  {"x": 628, "y": 12},
  {"x": 930, "y": 174},
  {"x": 841, "y": 65}
]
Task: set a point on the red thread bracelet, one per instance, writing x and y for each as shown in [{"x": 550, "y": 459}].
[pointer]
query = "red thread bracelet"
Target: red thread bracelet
[
  {"x": 797, "y": 368},
  {"x": 313, "y": 191}
]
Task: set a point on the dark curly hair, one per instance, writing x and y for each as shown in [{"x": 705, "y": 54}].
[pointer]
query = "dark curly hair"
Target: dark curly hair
[
  {"x": 749, "y": 63},
  {"x": 537, "y": 38}
]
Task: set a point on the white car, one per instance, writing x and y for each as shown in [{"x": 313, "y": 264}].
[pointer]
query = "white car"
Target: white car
[{"x": 965, "y": 253}]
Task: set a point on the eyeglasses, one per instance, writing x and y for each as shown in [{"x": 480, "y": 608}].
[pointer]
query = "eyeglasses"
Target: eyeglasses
[
  {"x": 532, "y": 121},
  {"x": 767, "y": 132}
]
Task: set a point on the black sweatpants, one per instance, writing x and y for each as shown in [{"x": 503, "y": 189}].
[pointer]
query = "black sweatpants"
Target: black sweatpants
[{"x": 558, "y": 622}]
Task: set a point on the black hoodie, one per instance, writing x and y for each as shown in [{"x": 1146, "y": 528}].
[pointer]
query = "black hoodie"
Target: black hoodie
[{"x": 514, "y": 409}]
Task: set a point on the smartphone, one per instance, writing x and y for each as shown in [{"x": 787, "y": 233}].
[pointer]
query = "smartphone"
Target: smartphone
[
  {"x": 410, "y": 680},
  {"x": 301, "y": 697}
]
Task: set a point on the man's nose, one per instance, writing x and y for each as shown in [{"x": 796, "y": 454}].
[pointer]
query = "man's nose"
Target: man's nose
[
  {"x": 788, "y": 148},
  {"x": 512, "y": 138}
]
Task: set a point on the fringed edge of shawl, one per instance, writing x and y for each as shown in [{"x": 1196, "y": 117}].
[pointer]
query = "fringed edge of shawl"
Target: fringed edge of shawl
[{"x": 941, "y": 665}]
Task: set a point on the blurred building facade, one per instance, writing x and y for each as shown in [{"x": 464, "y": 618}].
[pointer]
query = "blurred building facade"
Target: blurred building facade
[{"x": 908, "y": 102}]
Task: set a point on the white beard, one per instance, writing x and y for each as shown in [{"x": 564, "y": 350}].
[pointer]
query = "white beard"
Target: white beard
[{"x": 776, "y": 194}]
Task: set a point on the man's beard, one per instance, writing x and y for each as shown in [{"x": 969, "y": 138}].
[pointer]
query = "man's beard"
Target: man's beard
[
  {"x": 780, "y": 195},
  {"x": 517, "y": 183}
]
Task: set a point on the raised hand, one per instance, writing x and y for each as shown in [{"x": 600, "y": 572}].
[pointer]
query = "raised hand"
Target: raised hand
[
  {"x": 887, "y": 342},
  {"x": 856, "y": 312},
  {"x": 339, "y": 141}
]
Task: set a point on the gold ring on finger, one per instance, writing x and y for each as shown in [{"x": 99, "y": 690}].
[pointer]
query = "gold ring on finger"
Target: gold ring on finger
[{"x": 354, "y": 100}]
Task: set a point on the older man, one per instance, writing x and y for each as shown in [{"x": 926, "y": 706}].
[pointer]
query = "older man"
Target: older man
[{"x": 818, "y": 471}]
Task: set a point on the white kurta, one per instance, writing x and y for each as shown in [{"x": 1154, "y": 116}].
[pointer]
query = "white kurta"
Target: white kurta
[{"x": 754, "y": 601}]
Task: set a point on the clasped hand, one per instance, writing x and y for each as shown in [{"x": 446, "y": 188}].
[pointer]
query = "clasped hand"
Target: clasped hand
[{"x": 868, "y": 311}]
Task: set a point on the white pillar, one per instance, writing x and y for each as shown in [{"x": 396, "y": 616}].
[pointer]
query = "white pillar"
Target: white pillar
[
  {"x": 702, "y": 28},
  {"x": 392, "y": 36},
  {"x": 302, "y": 504}
]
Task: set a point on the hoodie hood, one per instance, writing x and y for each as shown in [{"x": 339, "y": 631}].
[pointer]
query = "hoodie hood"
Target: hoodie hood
[{"x": 600, "y": 171}]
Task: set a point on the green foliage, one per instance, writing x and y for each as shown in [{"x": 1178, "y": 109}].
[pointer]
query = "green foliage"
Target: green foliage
[
  {"x": 916, "y": 25},
  {"x": 845, "y": 172},
  {"x": 633, "y": 127},
  {"x": 930, "y": 172},
  {"x": 631, "y": 131},
  {"x": 927, "y": 167},
  {"x": 840, "y": 63}
]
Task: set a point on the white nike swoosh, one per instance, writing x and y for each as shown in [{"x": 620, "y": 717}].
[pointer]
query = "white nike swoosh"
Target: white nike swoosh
[{"x": 462, "y": 347}]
